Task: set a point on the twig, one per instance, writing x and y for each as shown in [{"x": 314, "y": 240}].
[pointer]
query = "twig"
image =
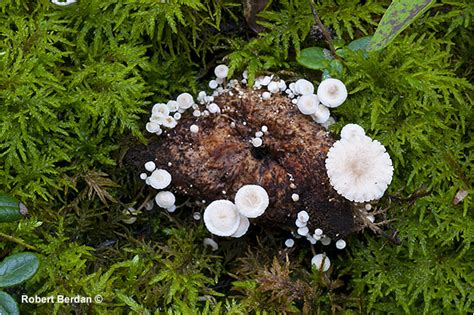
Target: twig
[
  {"x": 325, "y": 32},
  {"x": 18, "y": 241}
]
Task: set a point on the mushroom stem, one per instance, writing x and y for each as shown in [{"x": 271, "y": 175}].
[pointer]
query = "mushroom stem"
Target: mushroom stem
[{"x": 325, "y": 32}]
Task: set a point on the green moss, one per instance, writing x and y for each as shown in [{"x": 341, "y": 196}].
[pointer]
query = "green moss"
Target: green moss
[{"x": 76, "y": 84}]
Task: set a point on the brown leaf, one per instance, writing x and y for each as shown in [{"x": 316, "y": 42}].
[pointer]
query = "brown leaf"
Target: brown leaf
[{"x": 251, "y": 9}]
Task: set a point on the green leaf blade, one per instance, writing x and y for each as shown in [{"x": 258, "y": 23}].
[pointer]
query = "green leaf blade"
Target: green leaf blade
[
  {"x": 313, "y": 58},
  {"x": 398, "y": 16},
  {"x": 8, "y": 304},
  {"x": 17, "y": 268}
]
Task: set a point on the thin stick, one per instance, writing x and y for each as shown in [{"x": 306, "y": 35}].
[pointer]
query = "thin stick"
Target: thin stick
[
  {"x": 18, "y": 241},
  {"x": 325, "y": 32}
]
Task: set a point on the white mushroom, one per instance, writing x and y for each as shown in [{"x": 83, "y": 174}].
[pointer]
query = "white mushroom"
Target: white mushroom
[
  {"x": 317, "y": 261},
  {"x": 290, "y": 242},
  {"x": 159, "y": 179},
  {"x": 160, "y": 109},
  {"x": 152, "y": 127},
  {"x": 257, "y": 142},
  {"x": 308, "y": 104},
  {"x": 211, "y": 243},
  {"x": 165, "y": 199},
  {"x": 251, "y": 200},
  {"x": 169, "y": 122},
  {"x": 295, "y": 197},
  {"x": 340, "y": 244},
  {"x": 173, "y": 106},
  {"x": 326, "y": 240},
  {"x": 359, "y": 168},
  {"x": 332, "y": 92},
  {"x": 303, "y": 216},
  {"x": 194, "y": 128},
  {"x": 303, "y": 231},
  {"x": 300, "y": 223},
  {"x": 214, "y": 108},
  {"x": 303, "y": 87},
  {"x": 352, "y": 130},
  {"x": 243, "y": 227},
  {"x": 185, "y": 100},
  {"x": 63, "y": 3},
  {"x": 213, "y": 84},
  {"x": 273, "y": 87},
  {"x": 221, "y": 71},
  {"x": 222, "y": 218},
  {"x": 150, "y": 166},
  {"x": 321, "y": 115}
]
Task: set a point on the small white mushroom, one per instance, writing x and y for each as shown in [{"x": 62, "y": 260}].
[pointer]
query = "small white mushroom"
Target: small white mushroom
[
  {"x": 185, "y": 100},
  {"x": 243, "y": 227},
  {"x": 300, "y": 223},
  {"x": 281, "y": 85},
  {"x": 159, "y": 179},
  {"x": 251, "y": 200},
  {"x": 303, "y": 87},
  {"x": 211, "y": 243},
  {"x": 303, "y": 231},
  {"x": 63, "y": 3},
  {"x": 194, "y": 128},
  {"x": 196, "y": 216},
  {"x": 169, "y": 122},
  {"x": 177, "y": 116},
  {"x": 332, "y": 92},
  {"x": 264, "y": 129},
  {"x": 259, "y": 134},
  {"x": 317, "y": 261},
  {"x": 257, "y": 142},
  {"x": 295, "y": 197},
  {"x": 350, "y": 131},
  {"x": 308, "y": 104},
  {"x": 318, "y": 232},
  {"x": 311, "y": 239},
  {"x": 289, "y": 242},
  {"x": 273, "y": 87},
  {"x": 213, "y": 84},
  {"x": 303, "y": 216},
  {"x": 222, "y": 218},
  {"x": 152, "y": 127},
  {"x": 143, "y": 176},
  {"x": 340, "y": 244},
  {"x": 266, "y": 96},
  {"x": 221, "y": 71},
  {"x": 165, "y": 199},
  {"x": 173, "y": 106},
  {"x": 150, "y": 166},
  {"x": 321, "y": 115},
  {"x": 214, "y": 108},
  {"x": 326, "y": 240}
]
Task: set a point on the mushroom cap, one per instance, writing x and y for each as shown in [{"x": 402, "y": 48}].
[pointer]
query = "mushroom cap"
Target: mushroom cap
[
  {"x": 251, "y": 200},
  {"x": 352, "y": 130},
  {"x": 332, "y": 92},
  {"x": 222, "y": 218},
  {"x": 221, "y": 71},
  {"x": 273, "y": 87},
  {"x": 160, "y": 109},
  {"x": 321, "y": 115},
  {"x": 159, "y": 179},
  {"x": 317, "y": 261},
  {"x": 169, "y": 122},
  {"x": 359, "y": 168},
  {"x": 243, "y": 227},
  {"x": 165, "y": 199},
  {"x": 308, "y": 104},
  {"x": 173, "y": 106},
  {"x": 152, "y": 126},
  {"x": 150, "y": 166},
  {"x": 185, "y": 100},
  {"x": 303, "y": 87}
]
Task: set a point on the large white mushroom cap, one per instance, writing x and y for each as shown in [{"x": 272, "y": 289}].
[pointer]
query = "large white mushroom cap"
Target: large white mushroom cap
[
  {"x": 185, "y": 100},
  {"x": 251, "y": 200},
  {"x": 222, "y": 218},
  {"x": 159, "y": 179},
  {"x": 308, "y": 104},
  {"x": 332, "y": 92},
  {"x": 359, "y": 168}
]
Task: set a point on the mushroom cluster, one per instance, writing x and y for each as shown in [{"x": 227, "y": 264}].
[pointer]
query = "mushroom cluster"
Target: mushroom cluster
[
  {"x": 224, "y": 218},
  {"x": 266, "y": 135}
]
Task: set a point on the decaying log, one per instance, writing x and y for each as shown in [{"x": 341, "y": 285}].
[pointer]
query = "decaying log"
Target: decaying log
[{"x": 215, "y": 162}]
